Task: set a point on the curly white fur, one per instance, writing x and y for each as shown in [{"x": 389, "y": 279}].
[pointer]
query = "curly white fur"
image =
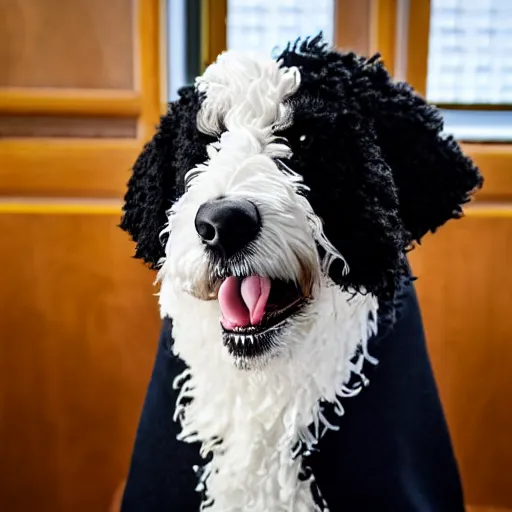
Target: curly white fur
[{"x": 261, "y": 415}]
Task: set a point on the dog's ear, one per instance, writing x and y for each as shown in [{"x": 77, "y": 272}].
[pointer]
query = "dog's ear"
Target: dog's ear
[
  {"x": 157, "y": 178},
  {"x": 149, "y": 192},
  {"x": 433, "y": 177}
]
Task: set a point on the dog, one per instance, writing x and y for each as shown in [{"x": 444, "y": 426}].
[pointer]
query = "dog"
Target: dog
[{"x": 278, "y": 200}]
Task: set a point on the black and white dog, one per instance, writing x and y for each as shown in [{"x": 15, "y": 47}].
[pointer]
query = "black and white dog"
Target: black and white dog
[{"x": 278, "y": 200}]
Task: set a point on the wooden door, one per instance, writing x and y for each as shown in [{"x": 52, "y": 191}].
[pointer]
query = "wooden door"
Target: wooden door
[{"x": 79, "y": 93}]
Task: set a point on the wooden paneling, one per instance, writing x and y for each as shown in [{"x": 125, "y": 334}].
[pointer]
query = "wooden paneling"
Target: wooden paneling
[
  {"x": 495, "y": 160},
  {"x": 149, "y": 72},
  {"x": 79, "y": 326},
  {"x": 69, "y": 102},
  {"x": 367, "y": 27},
  {"x": 417, "y": 44},
  {"x": 66, "y": 168},
  {"x": 383, "y": 26},
  {"x": 465, "y": 290},
  {"x": 63, "y": 43},
  {"x": 352, "y": 25},
  {"x": 485, "y": 509},
  {"x": 79, "y": 95},
  {"x": 38, "y": 157},
  {"x": 69, "y": 127},
  {"x": 213, "y": 30}
]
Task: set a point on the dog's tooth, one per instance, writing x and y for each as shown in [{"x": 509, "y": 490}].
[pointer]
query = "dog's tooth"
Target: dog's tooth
[
  {"x": 251, "y": 339},
  {"x": 237, "y": 339},
  {"x": 242, "y": 340}
]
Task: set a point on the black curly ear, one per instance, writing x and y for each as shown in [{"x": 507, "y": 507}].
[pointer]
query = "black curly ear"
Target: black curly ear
[
  {"x": 158, "y": 173},
  {"x": 433, "y": 177}
]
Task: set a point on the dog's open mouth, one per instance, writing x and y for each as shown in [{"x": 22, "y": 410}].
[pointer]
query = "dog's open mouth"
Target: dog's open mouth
[{"x": 254, "y": 309}]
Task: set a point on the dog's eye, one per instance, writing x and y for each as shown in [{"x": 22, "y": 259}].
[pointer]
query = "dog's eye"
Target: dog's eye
[
  {"x": 297, "y": 137},
  {"x": 305, "y": 141}
]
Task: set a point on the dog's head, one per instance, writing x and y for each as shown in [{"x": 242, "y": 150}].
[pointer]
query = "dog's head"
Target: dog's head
[{"x": 269, "y": 180}]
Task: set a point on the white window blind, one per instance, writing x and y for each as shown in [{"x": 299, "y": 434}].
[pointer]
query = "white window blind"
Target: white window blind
[
  {"x": 264, "y": 27},
  {"x": 470, "y": 52}
]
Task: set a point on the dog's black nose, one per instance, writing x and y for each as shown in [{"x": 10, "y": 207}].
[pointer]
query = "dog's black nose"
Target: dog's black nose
[{"x": 227, "y": 225}]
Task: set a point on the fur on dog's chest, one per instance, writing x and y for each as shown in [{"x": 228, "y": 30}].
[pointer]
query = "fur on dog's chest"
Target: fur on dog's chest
[{"x": 253, "y": 423}]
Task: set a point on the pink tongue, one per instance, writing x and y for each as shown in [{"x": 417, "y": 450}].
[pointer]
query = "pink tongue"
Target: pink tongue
[{"x": 243, "y": 304}]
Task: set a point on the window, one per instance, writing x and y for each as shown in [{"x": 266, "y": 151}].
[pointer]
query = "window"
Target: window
[
  {"x": 470, "y": 67},
  {"x": 198, "y": 30},
  {"x": 470, "y": 52},
  {"x": 264, "y": 27}
]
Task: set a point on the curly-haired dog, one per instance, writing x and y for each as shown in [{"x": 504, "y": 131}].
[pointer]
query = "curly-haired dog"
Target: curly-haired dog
[{"x": 278, "y": 200}]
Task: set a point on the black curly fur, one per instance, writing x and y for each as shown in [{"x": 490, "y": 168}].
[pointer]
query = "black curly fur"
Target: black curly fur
[
  {"x": 380, "y": 172},
  {"x": 158, "y": 175},
  {"x": 351, "y": 185}
]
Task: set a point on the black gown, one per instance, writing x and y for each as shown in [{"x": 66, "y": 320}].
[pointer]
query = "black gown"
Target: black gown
[{"x": 392, "y": 452}]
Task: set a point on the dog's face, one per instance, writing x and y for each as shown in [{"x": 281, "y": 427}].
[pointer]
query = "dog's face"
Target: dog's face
[
  {"x": 269, "y": 180},
  {"x": 243, "y": 232}
]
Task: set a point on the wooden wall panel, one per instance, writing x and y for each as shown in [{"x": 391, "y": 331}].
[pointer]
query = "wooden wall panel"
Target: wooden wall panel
[
  {"x": 79, "y": 96},
  {"x": 79, "y": 326},
  {"x": 109, "y": 95},
  {"x": 67, "y": 127},
  {"x": 66, "y": 168},
  {"x": 495, "y": 160},
  {"x": 63, "y": 43},
  {"x": 352, "y": 27},
  {"x": 465, "y": 291},
  {"x": 26, "y": 101}
]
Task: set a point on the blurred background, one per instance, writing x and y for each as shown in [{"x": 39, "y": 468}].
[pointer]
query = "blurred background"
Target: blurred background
[{"x": 82, "y": 84}]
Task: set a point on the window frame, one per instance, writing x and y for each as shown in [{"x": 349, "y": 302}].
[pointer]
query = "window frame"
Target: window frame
[{"x": 213, "y": 30}]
